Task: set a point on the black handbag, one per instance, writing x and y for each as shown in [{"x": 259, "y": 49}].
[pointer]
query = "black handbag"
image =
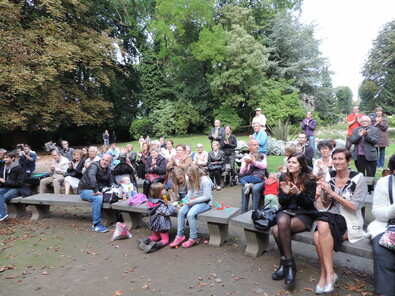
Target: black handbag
[
  {"x": 264, "y": 218},
  {"x": 110, "y": 195}
]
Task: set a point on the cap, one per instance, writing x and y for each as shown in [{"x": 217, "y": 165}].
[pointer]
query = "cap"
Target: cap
[{"x": 258, "y": 109}]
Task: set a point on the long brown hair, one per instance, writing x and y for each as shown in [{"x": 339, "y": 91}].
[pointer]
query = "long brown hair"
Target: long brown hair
[
  {"x": 195, "y": 173},
  {"x": 177, "y": 173},
  {"x": 156, "y": 189},
  {"x": 304, "y": 172}
]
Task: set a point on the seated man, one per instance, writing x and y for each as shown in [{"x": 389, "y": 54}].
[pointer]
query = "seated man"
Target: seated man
[
  {"x": 12, "y": 177},
  {"x": 66, "y": 151},
  {"x": 28, "y": 160},
  {"x": 97, "y": 176},
  {"x": 2, "y": 152},
  {"x": 251, "y": 166},
  {"x": 93, "y": 156},
  {"x": 57, "y": 168}
]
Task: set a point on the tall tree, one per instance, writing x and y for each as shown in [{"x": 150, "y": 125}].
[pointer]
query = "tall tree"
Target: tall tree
[{"x": 344, "y": 99}]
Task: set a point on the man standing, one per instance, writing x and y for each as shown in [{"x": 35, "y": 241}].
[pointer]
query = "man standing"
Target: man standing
[
  {"x": 217, "y": 132},
  {"x": 304, "y": 148},
  {"x": 28, "y": 160},
  {"x": 353, "y": 121},
  {"x": 249, "y": 165},
  {"x": 365, "y": 137},
  {"x": 308, "y": 126},
  {"x": 66, "y": 151},
  {"x": 261, "y": 136},
  {"x": 58, "y": 167},
  {"x": 97, "y": 176},
  {"x": 12, "y": 177},
  {"x": 260, "y": 118}
]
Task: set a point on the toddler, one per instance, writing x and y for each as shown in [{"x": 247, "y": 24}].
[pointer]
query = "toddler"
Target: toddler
[
  {"x": 160, "y": 223},
  {"x": 128, "y": 189},
  {"x": 271, "y": 191}
]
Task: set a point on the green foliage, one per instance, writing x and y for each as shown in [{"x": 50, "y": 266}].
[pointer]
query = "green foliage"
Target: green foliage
[
  {"x": 344, "y": 99},
  {"x": 367, "y": 92},
  {"x": 140, "y": 127},
  {"x": 281, "y": 131},
  {"x": 228, "y": 115}
]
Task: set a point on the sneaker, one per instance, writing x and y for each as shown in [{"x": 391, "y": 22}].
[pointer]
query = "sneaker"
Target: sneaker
[
  {"x": 99, "y": 228},
  {"x": 189, "y": 243},
  {"x": 178, "y": 240},
  {"x": 248, "y": 188},
  {"x": 219, "y": 188},
  {"x": 3, "y": 216}
]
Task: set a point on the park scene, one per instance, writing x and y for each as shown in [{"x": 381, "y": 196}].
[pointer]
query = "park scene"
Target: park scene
[{"x": 192, "y": 147}]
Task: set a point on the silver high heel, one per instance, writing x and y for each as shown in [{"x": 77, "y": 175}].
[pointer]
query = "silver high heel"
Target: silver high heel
[
  {"x": 319, "y": 290},
  {"x": 330, "y": 287}
]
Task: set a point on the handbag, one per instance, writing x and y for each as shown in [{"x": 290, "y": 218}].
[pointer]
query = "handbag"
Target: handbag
[
  {"x": 151, "y": 177},
  {"x": 388, "y": 238},
  {"x": 110, "y": 195},
  {"x": 264, "y": 218}
]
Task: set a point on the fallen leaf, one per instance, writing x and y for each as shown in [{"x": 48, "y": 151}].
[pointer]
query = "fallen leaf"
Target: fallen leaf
[
  {"x": 117, "y": 293},
  {"x": 308, "y": 289},
  {"x": 45, "y": 273},
  {"x": 218, "y": 280},
  {"x": 145, "y": 287}
]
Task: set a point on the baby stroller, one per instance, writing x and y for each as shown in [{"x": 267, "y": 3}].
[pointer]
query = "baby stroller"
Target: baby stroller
[{"x": 123, "y": 169}]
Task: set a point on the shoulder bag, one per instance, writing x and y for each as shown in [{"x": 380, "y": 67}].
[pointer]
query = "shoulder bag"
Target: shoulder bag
[{"x": 388, "y": 238}]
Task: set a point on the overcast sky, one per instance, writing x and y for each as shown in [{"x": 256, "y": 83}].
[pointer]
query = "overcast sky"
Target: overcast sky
[{"x": 347, "y": 29}]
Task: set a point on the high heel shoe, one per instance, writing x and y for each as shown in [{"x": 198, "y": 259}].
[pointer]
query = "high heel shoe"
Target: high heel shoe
[
  {"x": 330, "y": 287},
  {"x": 319, "y": 290}
]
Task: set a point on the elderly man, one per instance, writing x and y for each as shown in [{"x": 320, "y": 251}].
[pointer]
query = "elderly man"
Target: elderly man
[
  {"x": 66, "y": 151},
  {"x": 261, "y": 136},
  {"x": 92, "y": 152},
  {"x": 217, "y": 132},
  {"x": 28, "y": 160},
  {"x": 308, "y": 125},
  {"x": 97, "y": 176},
  {"x": 260, "y": 118},
  {"x": 57, "y": 168},
  {"x": 12, "y": 178},
  {"x": 251, "y": 166},
  {"x": 353, "y": 121},
  {"x": 201, "y": 158},
  {"x": 365, "y": 137}
]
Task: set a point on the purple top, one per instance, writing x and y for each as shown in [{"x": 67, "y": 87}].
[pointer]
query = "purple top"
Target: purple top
[{"x": 308, "y": 126}]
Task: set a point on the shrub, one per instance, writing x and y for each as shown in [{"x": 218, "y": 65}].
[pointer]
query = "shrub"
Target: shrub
[
  {"x": 281, "y": 131},
  {"x": 275, "y": 147}
]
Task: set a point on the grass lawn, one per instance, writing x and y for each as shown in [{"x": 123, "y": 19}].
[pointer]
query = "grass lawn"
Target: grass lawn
[{"x": 273, "y": 161}]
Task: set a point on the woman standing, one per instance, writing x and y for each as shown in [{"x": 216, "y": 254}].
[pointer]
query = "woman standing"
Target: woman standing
[
  {"x": 296, "y": 197},
  {"x": 199, "y": 199},
  {"x": 215, "y": 163},
  {"x": 106, "y": 138},
  {"x": 343, "y": 194},
  {"x": 383, "y": 211},
  {"x": 381, "y": 122}
]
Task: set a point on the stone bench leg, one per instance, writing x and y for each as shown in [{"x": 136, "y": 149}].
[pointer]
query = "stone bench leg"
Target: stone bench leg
[
  {"x": 16, "y": 210},
  {"x": 39, "y": 211},
  {"x": 133, "y": 220},
  {"x": 257, "y": 242},
  {"x": 218, "y": 233},
  {"x": 108, "y": 217}
]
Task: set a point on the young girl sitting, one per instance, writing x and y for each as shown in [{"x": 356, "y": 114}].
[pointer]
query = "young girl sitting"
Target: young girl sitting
[
  {"x": 160, "y": 223},
  {"x": 248, "y": 180},
  {"x": 180, "y": 184}
]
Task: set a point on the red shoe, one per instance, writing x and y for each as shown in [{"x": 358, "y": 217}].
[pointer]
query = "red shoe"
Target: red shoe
[
  {"x": 177, "y": 241},
  {"x": 189, "y": 243}
]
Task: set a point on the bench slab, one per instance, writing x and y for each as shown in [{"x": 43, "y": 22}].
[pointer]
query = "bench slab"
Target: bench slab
[{"x": 15, "y": 209}]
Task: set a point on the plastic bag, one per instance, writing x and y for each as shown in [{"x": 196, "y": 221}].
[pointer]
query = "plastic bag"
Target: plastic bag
[{"x": 121, "y": 231}]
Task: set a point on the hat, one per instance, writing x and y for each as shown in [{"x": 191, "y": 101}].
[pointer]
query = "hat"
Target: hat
[{"x": 258, "y": 109}]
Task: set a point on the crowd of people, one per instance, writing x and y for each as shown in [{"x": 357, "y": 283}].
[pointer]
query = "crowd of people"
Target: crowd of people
[{"x": 321, "y": 193}]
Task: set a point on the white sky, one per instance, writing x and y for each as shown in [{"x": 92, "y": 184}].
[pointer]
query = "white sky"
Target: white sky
[{"x": 347, "y": 29}]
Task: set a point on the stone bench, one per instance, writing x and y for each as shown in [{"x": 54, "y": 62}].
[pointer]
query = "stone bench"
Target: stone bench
[
  {"x": 15, "y": 209},
  {"x": 217, "y": 220},
  {"x": 258, "y": 240},
  {"x": 40, "y": 205}
]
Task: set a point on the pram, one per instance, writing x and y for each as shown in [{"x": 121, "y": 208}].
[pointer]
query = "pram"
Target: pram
[{"x": 233, "y": 163}]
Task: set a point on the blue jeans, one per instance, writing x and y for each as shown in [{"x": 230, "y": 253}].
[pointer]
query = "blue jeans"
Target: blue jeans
[
  {"x": 311, "y": 140},
  {"x": 250, "y": 179},
  {"x": 381, "y": 158},
  {"x": 256, "y": 192},
  {"x": 97, "y": 201},
  {"x": 190, "y": 212},
  {"x": 106, "y": 142},
  {"x": 169, "y": 184},
  {"x": 6, "y": 194}
]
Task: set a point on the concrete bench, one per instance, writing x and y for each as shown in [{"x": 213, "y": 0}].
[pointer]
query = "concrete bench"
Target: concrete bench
[
  {"x": 15, "y": 209},
  {"x": 217, "y": 220},
  {"x": 258, "y": 240},
  {"x": 40, "y": 205}
]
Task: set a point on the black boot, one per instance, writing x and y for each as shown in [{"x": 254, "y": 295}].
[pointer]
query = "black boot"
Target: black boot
[
  {"x": 280, "y": 272},
  {"x": 290, "y": 273},
  {"x": 152, "y": 247}
]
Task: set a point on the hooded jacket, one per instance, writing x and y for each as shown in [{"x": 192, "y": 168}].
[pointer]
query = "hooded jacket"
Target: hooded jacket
[
  {"x": 14, "y": 176},
  {"x": 160, "y": 213}
]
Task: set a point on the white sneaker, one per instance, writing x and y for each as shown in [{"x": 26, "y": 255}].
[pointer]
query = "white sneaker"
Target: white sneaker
[{"x": 248, "y": 188}]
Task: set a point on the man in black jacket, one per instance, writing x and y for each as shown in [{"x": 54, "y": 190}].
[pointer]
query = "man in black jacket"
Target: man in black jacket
[
  {"x": 12, "y": 178},
  {"x": 97, "y": 176}
]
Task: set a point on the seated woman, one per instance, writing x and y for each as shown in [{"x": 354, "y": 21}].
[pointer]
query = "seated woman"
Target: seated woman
[
  {"x": 104, "y": 150},
  {"x": 180, "y": 160},
  {"x": 296, "y": 197},
  {"x": 155, "y": 169},
  {"x": 74, "y": 172},
  {"x": 199, "y": 200},
  {"x": 343, "y": 194},
  {"x": 324, "y": 164},
  {"x": 383, "y": 210},
  {"x": 215, "y": 163},
  {"x": 85, "y": 154},
  {"x": 143, "y": 155},
  {"x": 228, "y": 145},
  {"x": 130, "y": 156},
  {"x": 180, "y": 184},
  {"x": 201, "y": 158}
]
